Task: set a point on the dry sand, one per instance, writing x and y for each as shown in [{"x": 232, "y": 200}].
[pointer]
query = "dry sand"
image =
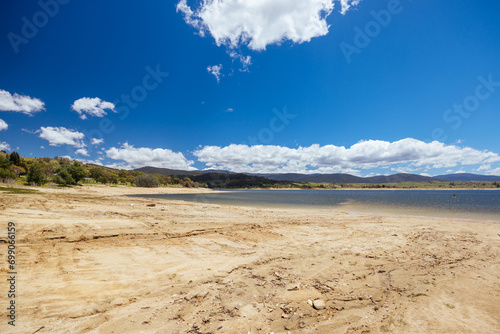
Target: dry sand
[{"x": 91, "y": 260}]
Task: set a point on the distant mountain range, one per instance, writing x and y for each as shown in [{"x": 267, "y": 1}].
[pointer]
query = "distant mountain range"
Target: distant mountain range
[{"x": 320, "y": 178}]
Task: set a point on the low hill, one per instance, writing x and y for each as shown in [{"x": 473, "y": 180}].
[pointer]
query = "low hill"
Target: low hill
[
  {"x": 225, "y": 180},
  {"x": 468, "y": 177},
  {"x": 402, "y": 177},
  {"x": 316, "y": 178},
  {"x": 167, "y": 172},
  {"x": 347, "y": 178}
]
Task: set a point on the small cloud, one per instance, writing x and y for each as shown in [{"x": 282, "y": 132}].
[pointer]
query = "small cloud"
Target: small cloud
[
  {"x": 82, "y": 151},
  {"x": 20, "y": 103},
  {"x": 483, "y": 168},
  {"x": 42, "y": 147},
  {"x": 245, "y": 61},
  {"x": 96, "y": 141},
  {"x": 4, "y": 146},
  {"x": 29, "y": 131},
  {"x": 92, "y": 107},
  {"x": 229, "y": 110},
  {"x": 3, "y": 125},
  {"x": 215, "y": 70}
]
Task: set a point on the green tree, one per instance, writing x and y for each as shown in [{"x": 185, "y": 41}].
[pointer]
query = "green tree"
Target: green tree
[
  {"x": 113, "y": 179},
  {"x": 15, "y": 159},
  {"x": 4, "y": 162},
  {"x": 122, "y": 173},
  {"x": 76, "y": 171},
  {"x": 47, "y": 168},
  {"x": 102, "y": 179},
  {"x": 35, "y": 175},
  {"x": 96, "y": 172},
  {"x": 64, "y": 178}
]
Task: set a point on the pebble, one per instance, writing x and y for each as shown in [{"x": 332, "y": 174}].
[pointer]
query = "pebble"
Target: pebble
[{"x": 319, "y": 304}]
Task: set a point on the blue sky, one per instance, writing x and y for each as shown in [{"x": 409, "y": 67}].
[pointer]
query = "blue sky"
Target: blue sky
[{"x": 360, "y": 87}]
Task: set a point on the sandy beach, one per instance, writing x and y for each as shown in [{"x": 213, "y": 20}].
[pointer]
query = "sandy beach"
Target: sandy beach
[{"x": 91, "y": 260}]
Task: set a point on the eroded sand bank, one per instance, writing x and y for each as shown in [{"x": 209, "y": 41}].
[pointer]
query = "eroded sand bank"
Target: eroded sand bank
[{"x": 91, "y": 260}]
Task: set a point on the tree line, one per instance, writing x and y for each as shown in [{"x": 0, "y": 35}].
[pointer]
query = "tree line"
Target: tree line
[{"x": 65, "y": 172}]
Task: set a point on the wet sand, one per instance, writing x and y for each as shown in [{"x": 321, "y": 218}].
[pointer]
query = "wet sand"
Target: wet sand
[{"x": 91, "y": 260}]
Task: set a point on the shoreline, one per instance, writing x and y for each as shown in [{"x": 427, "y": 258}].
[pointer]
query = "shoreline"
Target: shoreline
[
  {"x": 356, "y": 207},
  {"x": 93, "y": 260}
]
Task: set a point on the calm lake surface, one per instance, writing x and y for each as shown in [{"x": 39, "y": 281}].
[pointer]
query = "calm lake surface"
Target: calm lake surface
[{"x": 478, "y": 205}]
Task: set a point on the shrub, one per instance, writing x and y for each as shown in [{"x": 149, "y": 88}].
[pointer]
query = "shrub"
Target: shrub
[
  {"x": 17, "y": 170},
  {"x": 6, "y": 175},
  {"x": 64, "y": 178},
  {"x": 146, "y": 180}
]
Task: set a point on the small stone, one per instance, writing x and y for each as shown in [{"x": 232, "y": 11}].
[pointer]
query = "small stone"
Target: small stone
[
  {"x": 319, "y": 304},
  {"x": 310, "y": 302}
]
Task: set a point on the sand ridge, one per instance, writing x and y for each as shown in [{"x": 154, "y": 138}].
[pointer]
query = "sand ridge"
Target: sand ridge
[{"x": 94, "y": 261}]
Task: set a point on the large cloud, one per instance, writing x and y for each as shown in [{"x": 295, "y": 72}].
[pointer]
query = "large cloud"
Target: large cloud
[
  {"x": 61, "y": 136},
  {"x": 3, "y": 125},
  {"x": 144, "y": 156},
  {"x": 332, "y": 159},
  {"x": 258, "y": 24},
  {"x": 92, "y": 107},
  {"x": 19, "y": 103}
]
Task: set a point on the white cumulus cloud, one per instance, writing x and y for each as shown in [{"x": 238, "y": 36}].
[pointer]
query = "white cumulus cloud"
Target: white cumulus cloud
[
  {"x": 3, "y": 125},
  {"x": 92, "y": 107},
  {"x": 82, "y": 151},
  {"x": 144, "y": 156},
  {"x": 61, "y": 136},
  {"x": 20, "y": 103},
  {"x": 4, "y": 146},
  {"x": 334, "y": 159},
  {"x": 258, "y": 24}
]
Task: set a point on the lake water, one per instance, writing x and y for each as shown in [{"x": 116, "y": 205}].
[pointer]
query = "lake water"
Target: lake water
[{"x": 477, "y": 205}]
